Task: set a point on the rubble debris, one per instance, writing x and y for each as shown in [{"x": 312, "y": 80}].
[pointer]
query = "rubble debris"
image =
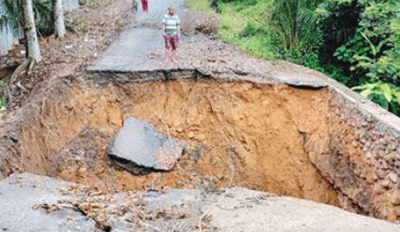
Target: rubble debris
[{"x": 140, "y": 148}]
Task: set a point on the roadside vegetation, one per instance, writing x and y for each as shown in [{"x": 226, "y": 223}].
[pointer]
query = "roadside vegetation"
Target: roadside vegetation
[{"x": 356, "y": 42}]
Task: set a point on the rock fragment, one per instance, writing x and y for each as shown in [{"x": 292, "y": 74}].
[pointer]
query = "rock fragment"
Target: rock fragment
[
  {"x": 393, "y": 177},
  {"x": 138, "y": 147}
]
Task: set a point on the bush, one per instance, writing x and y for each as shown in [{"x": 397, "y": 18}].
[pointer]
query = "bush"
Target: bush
[
  {"x": 338, "y": 26},
  {"x": 371, "y": 53}
]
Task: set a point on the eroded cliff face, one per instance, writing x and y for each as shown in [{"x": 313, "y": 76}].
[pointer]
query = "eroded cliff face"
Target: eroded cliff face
[
  {"x": 304, "y": 143},
  {"x": 360, "y": 156}
]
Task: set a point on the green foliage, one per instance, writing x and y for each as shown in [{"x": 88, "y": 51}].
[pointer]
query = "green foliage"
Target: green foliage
[
  {"x": 3, "y": 94},
  {"x": 385, "y": 94},
  {"x": 375, "y": 50},
  {"x": 200, "y": 5},
  {"x": 295, "y": 22},
  {"x": 369, "y": 56},
  {"x": 345, "y": 53},
  {"x": 76, "y": 25},
  {"x": 237, "y": 5},
  {"x": 14, "y": 15},
  {"x": 338, "y": 24},
  {"x": 337, "y": 74},
  {"x": 258, "y": 45},
  {"x": 246, "y": 25},
  {"x": 44, "y": 16},
  {"x": 83, "y": 26},
  {"x": 3, "y": 103},
  {"x": 311, "y": 60}
]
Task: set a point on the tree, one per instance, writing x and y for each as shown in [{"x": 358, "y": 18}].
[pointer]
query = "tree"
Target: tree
[
  {"x": 59, "y": 24},
  {"x": 30, "y": 28},
  {"x": 20, "y": 15},
  {"x": 11, "y": 15},
  {"x": 295, "y": 22},
  {"x": 369, "y": 55}
]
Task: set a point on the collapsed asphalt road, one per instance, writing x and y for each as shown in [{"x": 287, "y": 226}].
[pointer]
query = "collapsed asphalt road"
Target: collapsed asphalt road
[
  {"x": 36, "y": 203},
  {"x": 43, "y": 203}
]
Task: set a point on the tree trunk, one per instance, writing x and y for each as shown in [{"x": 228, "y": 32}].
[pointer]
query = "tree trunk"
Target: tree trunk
[
  {"x": 59, "y": 19},
  {"x": 31, "y": 36}
]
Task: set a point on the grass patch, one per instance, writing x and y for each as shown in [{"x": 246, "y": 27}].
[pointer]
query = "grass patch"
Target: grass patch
[
  {"x": 243, "y": 24},
  {"x": 246, "y": 25},
  {"x": 199, "y": 5}
]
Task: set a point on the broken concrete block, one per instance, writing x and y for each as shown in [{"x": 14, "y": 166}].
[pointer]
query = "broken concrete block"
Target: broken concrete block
[{"x": 140, "y": 148}]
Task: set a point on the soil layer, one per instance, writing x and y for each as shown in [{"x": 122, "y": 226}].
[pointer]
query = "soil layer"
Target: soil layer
[{"x": 239, "y": 134}]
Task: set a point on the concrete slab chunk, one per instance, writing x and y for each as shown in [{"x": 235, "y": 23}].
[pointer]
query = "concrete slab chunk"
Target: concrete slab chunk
[
  {"x": 141, "y": 144},
  {"x": 21, "y": 193}
]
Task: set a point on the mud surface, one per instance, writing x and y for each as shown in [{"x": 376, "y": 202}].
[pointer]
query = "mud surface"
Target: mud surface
[{"x": 239, "y": 134}]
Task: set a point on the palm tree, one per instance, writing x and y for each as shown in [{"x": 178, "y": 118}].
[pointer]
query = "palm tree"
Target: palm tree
[{"x": 296, "y": 21}]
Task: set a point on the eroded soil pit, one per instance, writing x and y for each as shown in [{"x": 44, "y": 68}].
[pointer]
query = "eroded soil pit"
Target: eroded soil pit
[{"x": 238, "y": 134}]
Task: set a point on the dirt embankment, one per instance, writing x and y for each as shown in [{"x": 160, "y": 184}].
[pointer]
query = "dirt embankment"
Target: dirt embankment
[
  {"x": 313, "y": 144},
  {"x": 239, "y": 134}
]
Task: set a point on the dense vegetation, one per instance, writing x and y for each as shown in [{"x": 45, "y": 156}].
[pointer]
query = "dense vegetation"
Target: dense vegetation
[
  {"x": 15, "y": 18},
  {"x": 357, "y": 42}
]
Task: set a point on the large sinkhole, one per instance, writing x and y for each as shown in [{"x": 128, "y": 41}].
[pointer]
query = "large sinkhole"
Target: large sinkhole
[{"x": 238, "y": 133}]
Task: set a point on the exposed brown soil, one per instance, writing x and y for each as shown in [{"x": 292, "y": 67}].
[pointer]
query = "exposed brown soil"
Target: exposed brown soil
[
  {"x": 239, "y": 134},
  {"x": 259, "y": 136}
]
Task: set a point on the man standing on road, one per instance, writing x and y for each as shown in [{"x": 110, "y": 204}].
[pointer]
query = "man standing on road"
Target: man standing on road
[{"x": 171, "y": 33}]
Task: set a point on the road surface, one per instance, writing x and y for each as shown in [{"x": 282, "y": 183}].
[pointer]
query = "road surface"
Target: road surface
[{"x": 130, "y": 52}]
